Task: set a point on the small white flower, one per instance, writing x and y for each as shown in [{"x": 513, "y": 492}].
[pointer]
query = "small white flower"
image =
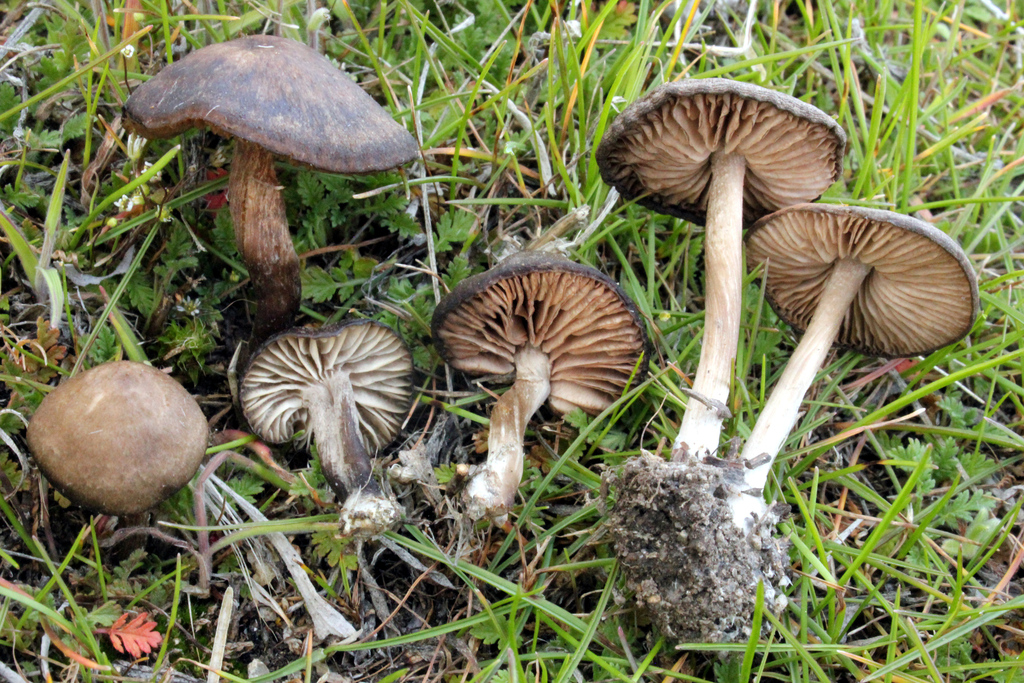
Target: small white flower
[
  {"x": 135, "y": 145},
  {"x": 128, "y": 51},
  {"x": 618, "y": 102},
  {"x": 189, "y": 306},
  {"x": 156, "y": 176}
]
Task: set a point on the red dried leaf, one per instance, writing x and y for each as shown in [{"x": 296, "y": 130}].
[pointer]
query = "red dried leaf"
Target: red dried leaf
[{"x": 136, "y": 637}]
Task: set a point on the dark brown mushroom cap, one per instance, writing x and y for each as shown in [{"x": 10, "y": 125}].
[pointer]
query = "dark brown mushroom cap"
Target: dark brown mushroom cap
[
  {"x": 278, "y": 94},
  {"x": 661, "y": 146},
  {"x": 588, "y": 327},
  {"x": 920, "y": 295},
  {"x": 119, "y": 438},
  {"x": 378, "y": 364}
]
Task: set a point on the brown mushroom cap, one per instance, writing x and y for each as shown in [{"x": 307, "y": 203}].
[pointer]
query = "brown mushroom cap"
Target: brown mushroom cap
[
  {"x": 588, "y": 327},
  {"x": 920, "y": 295},
  {"x": 278, "y": 94},
  {"x": 119, "y": 438},
  {"x": 379, "y": 366},
  {"x": 661, "y": 146}
]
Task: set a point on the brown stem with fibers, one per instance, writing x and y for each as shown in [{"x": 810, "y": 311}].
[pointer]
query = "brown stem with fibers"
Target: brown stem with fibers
[
  {"x": 780, "y": 412},
  {"x": 492, "y": 491},
  {"x": 723, "y": 264},
  {"x": 345, "y": 461},
  {"x": 263, "y": 239}
]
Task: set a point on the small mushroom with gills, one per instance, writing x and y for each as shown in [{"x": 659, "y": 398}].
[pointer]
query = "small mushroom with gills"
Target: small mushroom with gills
[
  {"x": 719, "y": 152},
  {"x": 877, "y": 282},
  {"x": 275, "y": 96},
  {"x": 569, "y": 334},
  {"x": 347, "y": 387},
  {"x": 119, "y": 438}
]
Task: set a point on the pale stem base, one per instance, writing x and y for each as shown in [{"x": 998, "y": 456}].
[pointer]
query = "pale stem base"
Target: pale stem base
[
  {"x": 701, "y": 428},
  {"x": 492, "y": 490}
]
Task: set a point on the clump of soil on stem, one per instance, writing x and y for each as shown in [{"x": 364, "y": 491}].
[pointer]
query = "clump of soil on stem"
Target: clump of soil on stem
[{"x": 693, "y": 570}]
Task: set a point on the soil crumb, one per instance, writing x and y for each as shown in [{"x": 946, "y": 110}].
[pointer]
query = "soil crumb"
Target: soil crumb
[{"x": 693, "y": 570}]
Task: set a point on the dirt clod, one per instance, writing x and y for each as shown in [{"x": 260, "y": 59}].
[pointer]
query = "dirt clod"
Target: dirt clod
[{"x": 694, "y": 571}]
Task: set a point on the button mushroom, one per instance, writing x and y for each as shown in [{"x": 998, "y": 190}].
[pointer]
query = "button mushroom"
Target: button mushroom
[
  {"x": 118, "y": 439},
  {"x": 569, "y": 333},
  {"x": 719, "y": 152},
  {"x": 347, "y": 387},
  {"x": 877, "y": 282},
  {"x": 275, "y": 97}
]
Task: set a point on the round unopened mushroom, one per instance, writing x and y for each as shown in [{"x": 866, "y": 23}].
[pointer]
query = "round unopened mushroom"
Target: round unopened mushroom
[
  {"x": 118, "y": 439},
  {"x": 877, "y": 282},
  {"x": 719, "y": 152},
  {"x": 275, "y": 96},
  {"x": 347, "y": 387},
  {"x": 569, "y": 334}
]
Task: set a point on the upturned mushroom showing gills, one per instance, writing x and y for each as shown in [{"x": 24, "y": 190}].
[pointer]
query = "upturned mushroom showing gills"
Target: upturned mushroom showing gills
[
  {"x": 695, "y": 536},
  {"x": 876, "y": 282},
  {"x": 275, "y": 96},
  {"x": 567, "y": 332},
  {"x": 118, "y": 439},
  {"x": 719, "y": 152},
  {"x": 346, "y": 387}
]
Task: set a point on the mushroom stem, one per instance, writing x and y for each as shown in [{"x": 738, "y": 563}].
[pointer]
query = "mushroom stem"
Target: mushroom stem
[
  {"x": 723, "y": 262},
  {"x": 781, "y": 411},
  {"x": 492, "y": 491},
  {"x": 346, "y": 464},
  {"x": 263, "y": 239}
]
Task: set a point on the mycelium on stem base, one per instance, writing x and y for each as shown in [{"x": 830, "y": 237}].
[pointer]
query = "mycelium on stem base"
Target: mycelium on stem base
[{"x": 694, "y": 571}]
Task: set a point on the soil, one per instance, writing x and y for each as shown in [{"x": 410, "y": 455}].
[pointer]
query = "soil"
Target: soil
[{"x": 693, "y": 570}]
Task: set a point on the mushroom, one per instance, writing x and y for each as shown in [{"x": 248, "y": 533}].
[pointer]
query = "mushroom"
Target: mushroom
[
  {"x": 569, "y": 334},
  {"x": 873, "y": 281},
  {"x": 719, "y": 152},
  {"x": 275, "y": 96},
  {"x": 118, "y": 439},
  {"x": 695, "y": 536},
  {"x": 345, "y": 386}
]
